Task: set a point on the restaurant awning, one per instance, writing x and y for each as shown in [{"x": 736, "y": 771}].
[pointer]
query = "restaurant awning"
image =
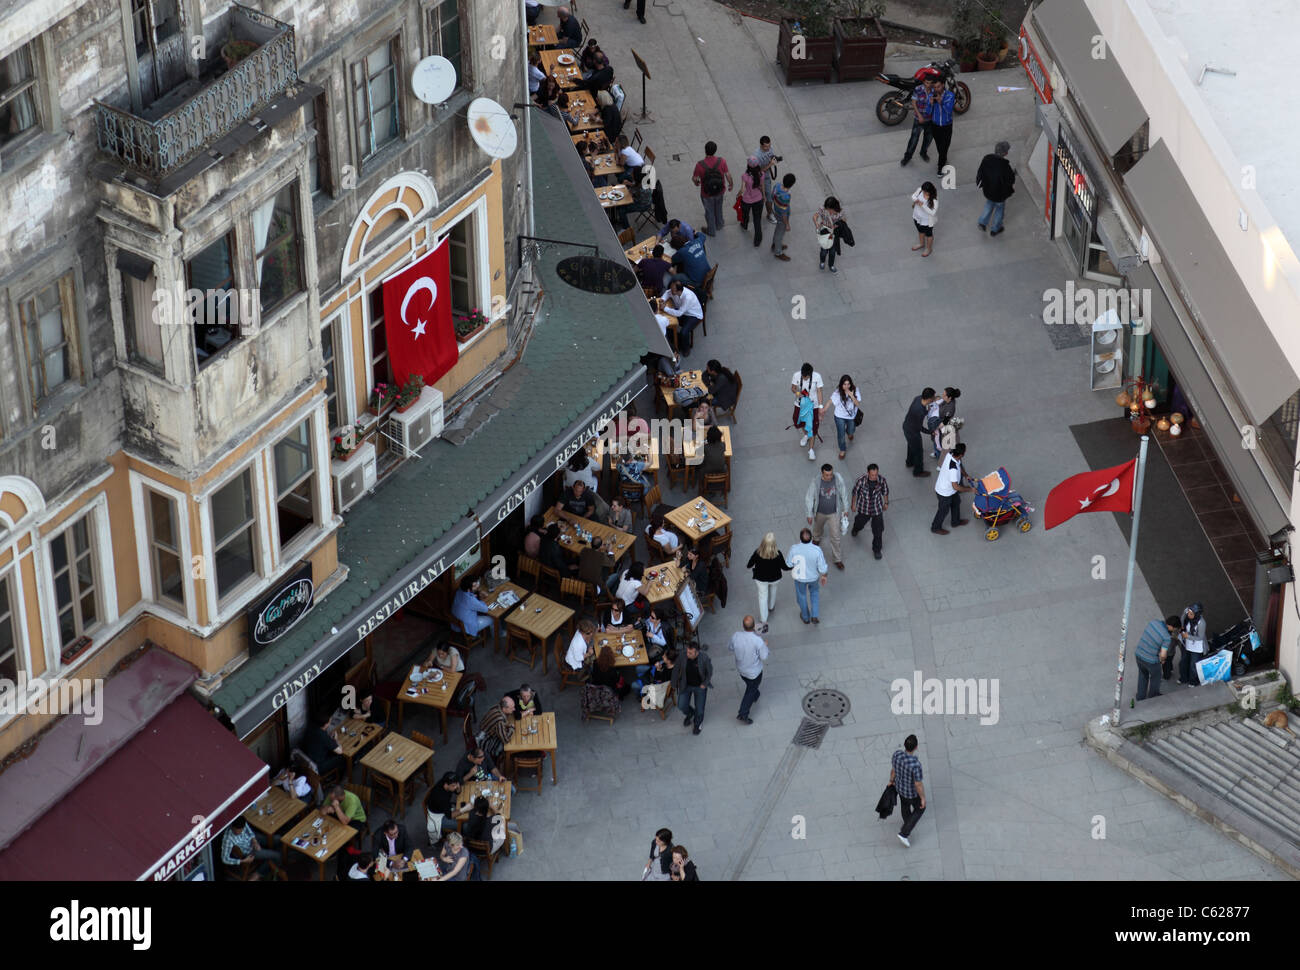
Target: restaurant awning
[
  {"x": 1097, "y": 84},
  {"x": 1230, "y": 324},
  {"x": 580, "y": 368},
  {"x": 148, "y": 809},
  {"x": 1203, "y": 394}
]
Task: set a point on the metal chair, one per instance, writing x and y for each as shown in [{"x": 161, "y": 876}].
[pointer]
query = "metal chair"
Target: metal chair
[
  {"x": 718, "y": 412},
  {"x": 706, "y": 289},
  {"x": 528, "y": 762},
  {"x": 637, "y": 138}
]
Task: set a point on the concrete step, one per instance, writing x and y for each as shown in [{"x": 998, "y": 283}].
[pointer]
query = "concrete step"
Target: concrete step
[
  {"x": 1262, "y": 740},
  {"x": 1248, "y": 755},
  {"x": 1278, "y": 738},
  {"x": 1180, "y": 755}
]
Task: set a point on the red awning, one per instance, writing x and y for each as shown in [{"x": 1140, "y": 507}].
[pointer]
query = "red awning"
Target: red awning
[{"x": 151, "y": 806}]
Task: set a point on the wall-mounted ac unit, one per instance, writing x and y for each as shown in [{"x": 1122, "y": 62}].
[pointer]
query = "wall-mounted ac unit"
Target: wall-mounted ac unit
[
  {"x": 419, "y": 424},
  {"x": 354, "y": 477}
]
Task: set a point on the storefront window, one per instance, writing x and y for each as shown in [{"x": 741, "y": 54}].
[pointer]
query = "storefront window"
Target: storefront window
[{"x": 1278, "y": 437}]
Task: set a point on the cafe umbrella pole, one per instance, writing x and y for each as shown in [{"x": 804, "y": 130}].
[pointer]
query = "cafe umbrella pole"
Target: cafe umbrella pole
[{"x": 1128, "y": 585}]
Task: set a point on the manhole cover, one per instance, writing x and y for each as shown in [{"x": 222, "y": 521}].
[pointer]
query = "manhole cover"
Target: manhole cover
[
  {"x": 827, "y": 706},
  {"x": 810, "y": 733}
]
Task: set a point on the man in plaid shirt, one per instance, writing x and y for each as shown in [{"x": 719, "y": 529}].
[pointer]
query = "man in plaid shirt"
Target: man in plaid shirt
[
  {"x": 870, "y": 500},
  {"x": 905, "y": 776}
]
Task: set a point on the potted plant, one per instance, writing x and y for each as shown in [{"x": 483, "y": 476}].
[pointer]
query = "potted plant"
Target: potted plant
[
  {"x": 860, "y": 41},
  {"x": 964, "y": 23},
  {"x": 381, "y": 397},
  {"x": 409, "y": 393},
  {"x": 345, "y": 444},
  {"x": 992, "y": 41},
  {"x": 233, "y": 51},
  {"x": 806, "y": 46},
  {"x": 469, "y": 324}
]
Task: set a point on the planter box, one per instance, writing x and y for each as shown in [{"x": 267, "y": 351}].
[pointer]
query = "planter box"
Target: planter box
[
  {"x": 469, "y": 336},
  {"x": 75, "y": 649},
  {"x": 859, "y": 56},
  {"x": 818, "y": 59}
]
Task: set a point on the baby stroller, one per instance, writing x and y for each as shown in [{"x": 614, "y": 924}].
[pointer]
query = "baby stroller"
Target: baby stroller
[{"x": 996, "y": 503}]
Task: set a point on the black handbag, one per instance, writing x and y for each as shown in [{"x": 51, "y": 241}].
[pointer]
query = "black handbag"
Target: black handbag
[{"x": 857, "y": 418}]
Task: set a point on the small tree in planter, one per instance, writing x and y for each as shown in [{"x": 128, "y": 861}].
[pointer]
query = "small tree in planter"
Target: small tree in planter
[
  {"x": 806, "y": 47},
  {"x": 859, "y": 40},
  {"x": 409, "y": 392},
  {"x": 470, "y": 324},
  {"x": 965, "y": 24},
  {"x": 993, "y": 42}
]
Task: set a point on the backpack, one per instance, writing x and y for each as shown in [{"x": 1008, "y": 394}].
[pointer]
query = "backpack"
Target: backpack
[
  {"x": 686, "y": 396},
  {"x": 712, "y": 182}
]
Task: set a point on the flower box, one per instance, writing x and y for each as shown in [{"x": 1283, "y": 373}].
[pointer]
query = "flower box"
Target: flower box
[
  {"x": 464, "y": 338},
  {"x": 75, "y": 649},
  {"x": 859, "y": 48},
  {"x": 817, "y": 62}
]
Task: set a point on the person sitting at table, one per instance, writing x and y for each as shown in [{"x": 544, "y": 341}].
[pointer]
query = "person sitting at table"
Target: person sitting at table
[
  {"x": 655, "y": 679},
  {"x": 241, "y": 843},
  {"x": 582, "y": 468},
  {"x": 632, "y": 470},
  {"x": 453, "y": 859},
  {"x": 664, "y": 321},
  {"x": 548, "y": 90},
  {"x": 477, "y": 765},
  {"x": 721, "y": 384},
  {"x": 569, "y": 30},
  {"x": 367, "y": 712},
  {"x": 446, "y": 657},
  {"x": 346, "y": 807},
  {"x": 714, "y": 461},
  {"x": 577, "y": 499},
  {"x": 593, "y": 564},
  {"x": 620, "y": 516},
  {"x": 535, "y": 73},
  {"x": 698, "y": 570},
  {"x": 320, "y": 746},
  {"x": 498, "y": 724},
  {"x": 683, "y": 304},
  {"x": 659, "y": 531},
  {"x": 702, "y": 417},
  {"x": 567, "y": 115},
  {"x": 592, "y": 58},
  {"x": 294, "y": 780},
  {"x": 527, "y": 703},
  {"x": 631, "y": 583},
  {"x": 468, "y": 608},
  {"x": 580, "y": 653},
  {"x": 652, "y": 270},
  {"x": 478, "y": 826},
  {"x": 532, "y": 11},
  {"x": 613, "y": 620},
  {"x": 363, "y": 870},
  {"x": 691, "y": 260},
  {"x": 654, "y": 631},
  {"x": 605, "y": 674},
  {"x": 631, "y": 159},
  {"x": 533, "y": 537},
  {"x": 391, "y": 839},
  {"x": 676, "y": 227},
  {"x": 552, "y": 554},
  {"x": 441, "y": 806}
]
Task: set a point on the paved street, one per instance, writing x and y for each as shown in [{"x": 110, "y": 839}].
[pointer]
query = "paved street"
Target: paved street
[{"x": 1019, "y": 799}]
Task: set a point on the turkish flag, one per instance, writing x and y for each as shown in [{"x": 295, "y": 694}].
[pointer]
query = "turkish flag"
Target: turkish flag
[
  {"x": 417, "y": 318},
  {"x": 1105, "y": 490}
]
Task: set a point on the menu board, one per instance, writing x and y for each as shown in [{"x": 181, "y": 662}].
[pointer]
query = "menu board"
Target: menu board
[{"x": 689, "y": 604}]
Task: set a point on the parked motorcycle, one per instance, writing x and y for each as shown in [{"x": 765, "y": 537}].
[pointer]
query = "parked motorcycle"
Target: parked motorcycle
[{"x": 893, "y": 107}]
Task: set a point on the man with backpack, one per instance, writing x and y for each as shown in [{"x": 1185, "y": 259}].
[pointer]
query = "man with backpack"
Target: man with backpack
[{"x": 714, "y": 180}]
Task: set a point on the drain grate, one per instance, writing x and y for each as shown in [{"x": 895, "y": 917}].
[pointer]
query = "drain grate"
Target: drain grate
[
  {"x": 810, "y": 733},
  {"x": 825, "y": 705}
]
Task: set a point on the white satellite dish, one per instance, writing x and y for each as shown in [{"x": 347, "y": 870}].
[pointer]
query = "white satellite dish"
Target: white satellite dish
[
  {"x": 492, "y": 127},
  {"x": 433, "y": 79}
]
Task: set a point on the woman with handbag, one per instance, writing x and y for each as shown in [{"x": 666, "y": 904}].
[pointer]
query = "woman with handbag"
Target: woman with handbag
[
  {"x": 751, "y": 198},
  {"x": 825, "y": 220},
  {"x": 766, "y": 566},
  {"x": 848, "y": 415}
]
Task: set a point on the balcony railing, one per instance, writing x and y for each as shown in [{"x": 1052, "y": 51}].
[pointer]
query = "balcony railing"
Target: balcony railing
[{"x": 160, "y": 146}]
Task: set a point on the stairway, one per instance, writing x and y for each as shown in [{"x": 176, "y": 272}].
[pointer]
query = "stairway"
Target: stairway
[{"x": 1256, "y": 769}]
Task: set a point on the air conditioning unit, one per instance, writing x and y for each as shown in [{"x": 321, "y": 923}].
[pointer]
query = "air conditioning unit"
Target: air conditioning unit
[
  {"x": 354, "y": 477},
  {"x": 420, "y": 423}
]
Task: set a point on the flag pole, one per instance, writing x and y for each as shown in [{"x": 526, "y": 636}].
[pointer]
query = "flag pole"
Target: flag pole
[{"x": 1128, "y": 584}]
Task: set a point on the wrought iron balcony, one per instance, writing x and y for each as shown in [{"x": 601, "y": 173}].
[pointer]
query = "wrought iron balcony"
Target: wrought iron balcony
[{"x": 188, "y": 120}]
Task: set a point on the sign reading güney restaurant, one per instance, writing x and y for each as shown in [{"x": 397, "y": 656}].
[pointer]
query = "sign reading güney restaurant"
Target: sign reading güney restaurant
[{"x": 275, "y": 614}]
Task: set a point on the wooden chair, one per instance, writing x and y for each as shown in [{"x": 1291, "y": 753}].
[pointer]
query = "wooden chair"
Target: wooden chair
[
  {"x": 529, "y": 762},
  {"x": 567, "y": 674},
  {"x": 467, "y": 732},
  {"x": 649, "y": 155},
  {"x": 600, "y": 717},
  {"x": 680, "y": 471},
  {"x": 575, "y": 590},
  {"x": 716, "y": 482},
  {"x": 518, "y": 639},
  {"x": 460, "y": 637},
  {"x": 627, "y": 238},
  {"x": 652, "y": 499},
  {"x": 670, "y": 702},
  {"x": 427, "y": 741},
  {"x": 631, "y": 493},
  {"x": 720, "y": 545},
  {"x": 654, "y": 551},
  {"x": 718, "y": 412},
  {"x": 362, "y": 792},
  {"x": 484, "y": 851},
  {"x": 382, "y": 783},
  {"x": 528, "y": 566},
  {"x": 551, "y": 580}
]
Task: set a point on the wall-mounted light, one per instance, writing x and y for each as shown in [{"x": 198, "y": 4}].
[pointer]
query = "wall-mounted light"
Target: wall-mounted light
[{"x": 1243, "y": 220}]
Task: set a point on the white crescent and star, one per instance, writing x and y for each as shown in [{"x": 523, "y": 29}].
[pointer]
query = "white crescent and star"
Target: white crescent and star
[
  {"x": 1101, "y": 491},
  {"x": 423, "y": 283}
]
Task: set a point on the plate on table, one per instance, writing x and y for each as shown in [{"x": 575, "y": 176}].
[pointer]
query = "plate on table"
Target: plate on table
[
  {"x": 435, "y": 676},
  {"x": 629, "y": 651},
  {"x": 411, "y": 691},
  {"x": 616, "y": 194},
  {"x": 564, "y": 59}
]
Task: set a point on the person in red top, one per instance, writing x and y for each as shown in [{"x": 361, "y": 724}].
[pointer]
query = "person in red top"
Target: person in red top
[{"x": 714, "y": 180}]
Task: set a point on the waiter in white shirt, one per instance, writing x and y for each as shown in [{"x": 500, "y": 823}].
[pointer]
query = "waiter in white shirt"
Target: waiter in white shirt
[{"x": 949, "y": 485}]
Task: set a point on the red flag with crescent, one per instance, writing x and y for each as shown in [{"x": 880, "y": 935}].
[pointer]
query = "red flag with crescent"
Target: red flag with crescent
[
  {"x": 1105, "y": 490},
  {"x": 417, "y": 318}
]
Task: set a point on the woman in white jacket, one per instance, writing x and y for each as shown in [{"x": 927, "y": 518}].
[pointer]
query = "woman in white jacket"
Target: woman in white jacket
[{"x": 925, "y": 213}]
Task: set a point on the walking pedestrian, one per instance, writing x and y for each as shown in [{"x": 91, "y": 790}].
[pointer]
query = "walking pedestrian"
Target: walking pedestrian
[
  {"x": 714, "y": 180},
  {"x": 948, "y": 487},
  {"x": 826, "y": 502},
  {"x": 845, "y": 399},
  {"x": 925, "y": 213},
  {"x": 809, "y": 571},
  {"x": 781, "y": 215},
  {"x": 870, "y": 502},
  {"x": 691, "y": 682},
  {"x": 640, "y": 8},
  {"x": 941, "y": 107},
  {"x": 825, "y": 220},
  {"x": 998, "y": 180},
  {"x": 946, "y": 411},
  {"x": 913, "y": 422},
  {"x": 766, "y": 564},
  {"x": 905, "y": 776},
  {"x": 806, "y": 384},
  {"x": 920, "y": 123},
  {"x": 1192, "y": 637},
  {"x": 1154, "y": 646},
  {"x": 750, "y": 650},
  {"x": 751, "y": 198},
  {"x": 659, "y": 867},
  {"x": 767, "y": 160}
]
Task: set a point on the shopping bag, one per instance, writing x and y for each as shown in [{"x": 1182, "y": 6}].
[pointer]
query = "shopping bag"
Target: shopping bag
[{"x": 1218, "y": 667}]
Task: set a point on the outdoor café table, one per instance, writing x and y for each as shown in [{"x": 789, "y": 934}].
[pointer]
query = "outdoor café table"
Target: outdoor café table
[
  {"x": 690, "y": 512},
  {"x": 281, "y": 808},
  {"x": 617, "y": 641},
  {"x": 541, "y": 625},
  {"x": 569, "y": 74},
  {"x": 543, "y": 741},
  {"x": 542, "y": 35},
  {"x": 616, "y": 195},
  {"x": 497, "y": 612},
  {"x": 497, "y": 792},
  {"x": 611, "y": 539},
  {"x": 651, "y": 464},
  {"x": 696, "y": 442},
  {"x": 399, "y": 867},
  {"x": 428, "y": 693},
  {"x": 331, "y": 836},
  {"x": 605, "y": 163},
  {"x": 353, "y": 735},
  {"x": 666, "y": 581},
  {"x": 690, "y": 378},
  {"x": 401, "y": 763},
  {"x": 596, "y": 141}
]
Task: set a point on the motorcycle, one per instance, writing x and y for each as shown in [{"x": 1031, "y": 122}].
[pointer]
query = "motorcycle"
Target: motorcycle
[{"x": 893, "y": 107}]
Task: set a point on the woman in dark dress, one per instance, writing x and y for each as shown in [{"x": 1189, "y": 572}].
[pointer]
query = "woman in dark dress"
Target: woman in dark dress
[{"x": 605, "y": 674}]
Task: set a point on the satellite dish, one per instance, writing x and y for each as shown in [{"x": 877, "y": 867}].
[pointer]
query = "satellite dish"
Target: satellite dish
[
  {"x": 492, "y": 128},
  {"x": 433, "y": 79}
]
